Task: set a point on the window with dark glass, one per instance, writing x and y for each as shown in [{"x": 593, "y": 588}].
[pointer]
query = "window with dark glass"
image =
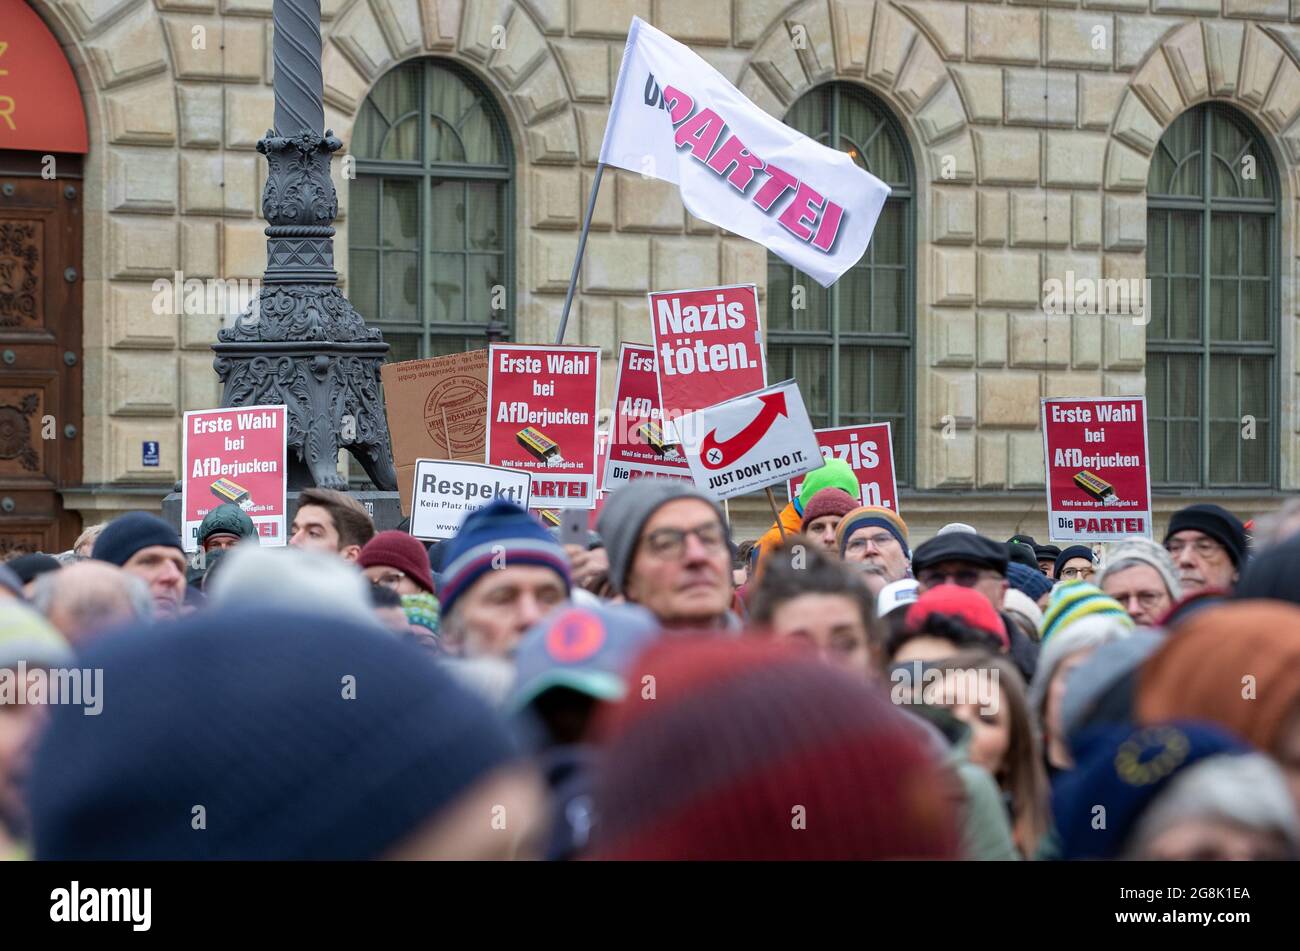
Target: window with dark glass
[
  {"x": 1212, "y": 258},
  {"x": 850, "y": 345},
  {"x": 430, "y": 219}
]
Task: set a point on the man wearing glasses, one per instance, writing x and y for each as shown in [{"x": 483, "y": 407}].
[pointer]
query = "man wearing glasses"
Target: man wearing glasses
[
  {"x": 397, "y": 560},
  {"x": 874, "y": 539},
  {"x": 1208, "y": 546},
  {"x": 1138, "y": 574},
  {"x": 669, "y": 552},
  {"x": 973, "y": 561},
  {"x": 1076, "y": 563}
]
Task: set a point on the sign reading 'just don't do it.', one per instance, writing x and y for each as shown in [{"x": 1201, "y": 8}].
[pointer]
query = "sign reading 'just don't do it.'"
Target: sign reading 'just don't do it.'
[{"x": 542, "y": 404}]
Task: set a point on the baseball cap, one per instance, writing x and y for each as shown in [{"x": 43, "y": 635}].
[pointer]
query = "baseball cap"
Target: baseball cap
[{"x": 587, "y": 649}]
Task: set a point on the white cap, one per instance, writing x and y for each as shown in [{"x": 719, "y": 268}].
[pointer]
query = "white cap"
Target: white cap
[
  {"x": 895, "y": 595},
  {"x": 956, "y": 527}
]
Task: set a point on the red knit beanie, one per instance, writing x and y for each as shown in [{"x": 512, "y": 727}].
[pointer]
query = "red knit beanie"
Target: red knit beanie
[
  {"x": 965, "y": 603},
  {"x": 749, "y": 751},
  {"x": 394, "y": 549},
  {"x": 830, "y": 501}
]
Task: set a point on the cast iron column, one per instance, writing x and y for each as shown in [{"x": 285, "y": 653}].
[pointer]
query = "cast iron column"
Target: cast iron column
[{"x": 301, "y": 342}]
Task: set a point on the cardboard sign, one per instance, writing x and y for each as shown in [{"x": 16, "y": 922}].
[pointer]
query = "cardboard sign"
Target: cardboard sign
[
  {"x": 235, "y": 455},
  {"x": 708, "y": 346},
  {"x": 445, "y": 492},
  {"x": 542, "y": 404},
  {"x": 638, "y": 444},
  {"x": 869, "y": 453},
  {"x": 1098, "y": 480},
  {"x": 435, "y": 408},
  {"x": 750, "y": 442}
]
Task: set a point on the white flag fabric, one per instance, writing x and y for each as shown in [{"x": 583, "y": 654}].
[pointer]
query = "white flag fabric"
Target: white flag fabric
[{"x": 676, "y": 118}]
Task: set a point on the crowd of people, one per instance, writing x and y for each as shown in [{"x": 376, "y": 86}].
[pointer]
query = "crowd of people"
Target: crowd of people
[{"x": 831, "y": 690}]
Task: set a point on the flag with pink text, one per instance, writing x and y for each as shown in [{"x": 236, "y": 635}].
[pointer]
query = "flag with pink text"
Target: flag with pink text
[{"x": 676, "y": 118}]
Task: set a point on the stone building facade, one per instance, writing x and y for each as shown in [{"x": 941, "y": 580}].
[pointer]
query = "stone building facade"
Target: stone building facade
[{"x": 1031, "y": 127}]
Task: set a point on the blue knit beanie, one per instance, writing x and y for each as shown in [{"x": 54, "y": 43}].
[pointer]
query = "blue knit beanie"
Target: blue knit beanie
[
  {"x": 1124, "y": 769},
  {"x": 1028, "y": 581},
  {"x": 499, "y": 535},
  {"x": 300, "y": 740},
  {"x": 127, "y": 534}
]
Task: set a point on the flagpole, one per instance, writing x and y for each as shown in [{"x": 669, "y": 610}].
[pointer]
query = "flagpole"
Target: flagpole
[{"x": 582, "y": 247}]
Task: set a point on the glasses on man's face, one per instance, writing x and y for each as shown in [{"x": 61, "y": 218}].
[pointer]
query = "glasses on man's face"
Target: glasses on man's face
[
  {"x": 1145, "y": 599},
  {"x": 966, "y": 577},
  {"x": 860, "y": 544},
  {"x": 390, "y": 579},
  {"x": 671, "y": 542},
  {"x": 1070, "y": 574},
  {"x": 1204, "y": 547}
]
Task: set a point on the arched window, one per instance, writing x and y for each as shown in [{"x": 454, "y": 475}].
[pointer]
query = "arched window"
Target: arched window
[
  {"x": 1212, "y": 258},
  {"x": 850, "y": 345},
  {"x": 431, "y": 213}
]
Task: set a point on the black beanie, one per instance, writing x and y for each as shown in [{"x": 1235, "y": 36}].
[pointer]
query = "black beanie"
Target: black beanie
[
  {"x": 28, "y": 567},
  {"x": 1215, "y": 521},
  {"x": 247, "y": 714},
  {"x": 127, "y": 534},
  {"x": 1073, "y": 551}
]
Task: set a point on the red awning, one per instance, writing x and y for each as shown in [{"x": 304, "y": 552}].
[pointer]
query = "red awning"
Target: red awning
[{"x": 40, "y": 105}]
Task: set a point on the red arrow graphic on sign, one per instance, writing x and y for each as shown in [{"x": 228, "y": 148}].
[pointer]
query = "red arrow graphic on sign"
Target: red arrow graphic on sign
[{"x": 716, "y": 455}]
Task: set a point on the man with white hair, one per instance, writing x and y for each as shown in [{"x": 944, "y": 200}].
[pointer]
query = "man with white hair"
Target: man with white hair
[
  {"x": 1141, "y": 576},
  {"x": 297, "y": 578}
]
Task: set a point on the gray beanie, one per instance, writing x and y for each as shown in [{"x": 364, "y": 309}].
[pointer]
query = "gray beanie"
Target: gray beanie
[
  {"x": 628, "y": 509},
  {"x": 1121, "y": 555}
]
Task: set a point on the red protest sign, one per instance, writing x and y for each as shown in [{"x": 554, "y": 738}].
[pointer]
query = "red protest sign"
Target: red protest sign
[
  {"x": 708, "y": 346},
  {"x": 542, "y": 418},
  {"x": 870, "y": 454},
  {"x": 1098, "y": 480},
  {"x": 235, "y": 455},
  {"x": 638, "y": 444}
]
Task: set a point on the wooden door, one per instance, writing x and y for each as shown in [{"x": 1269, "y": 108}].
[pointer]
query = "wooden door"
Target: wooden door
[{"x": 40, "y": 350}]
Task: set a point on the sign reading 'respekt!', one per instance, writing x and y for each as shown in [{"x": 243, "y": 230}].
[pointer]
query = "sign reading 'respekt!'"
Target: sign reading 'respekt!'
[{"x": 1098, "y": 480}]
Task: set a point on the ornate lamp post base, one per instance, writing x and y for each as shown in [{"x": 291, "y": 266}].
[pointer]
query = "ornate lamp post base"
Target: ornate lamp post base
[{"x": 302, "y": 343}]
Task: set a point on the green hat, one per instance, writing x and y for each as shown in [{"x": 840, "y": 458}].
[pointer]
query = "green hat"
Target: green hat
[
  {"x": 226, "y": 519},
  {"x": 834, "y": 474}
]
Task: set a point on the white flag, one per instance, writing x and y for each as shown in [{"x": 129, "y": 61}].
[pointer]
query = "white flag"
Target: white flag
[{"x": 674, "y": 117}]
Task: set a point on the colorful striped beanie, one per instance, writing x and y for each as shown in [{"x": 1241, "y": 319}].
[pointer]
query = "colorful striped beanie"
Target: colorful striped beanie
[{"x": 1074, "y": 600}]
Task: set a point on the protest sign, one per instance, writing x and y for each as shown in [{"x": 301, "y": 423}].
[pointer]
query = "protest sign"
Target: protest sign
[
  {"x": 638, "y": 443},
  {"x": 235, "y": 455},
  {"x": 870, "y": 455},
  {"x": 444, "y": 492},
  {"x": 676, "y": 118},
  {"x": 436, "y": 410},
  {"x": 542, "y": 404},
  {"x": 708, "y": 347},
  {"x": 750, "y": 442},
  {"x": 1098, "y": 481}
]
